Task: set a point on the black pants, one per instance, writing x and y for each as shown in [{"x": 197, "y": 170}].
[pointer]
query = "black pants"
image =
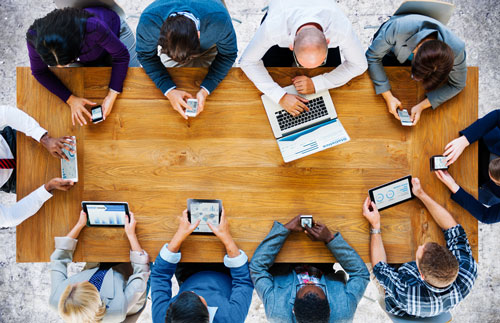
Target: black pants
[
  {"x": 9, "y": 135},
  {"x": 283, "y": 57}
]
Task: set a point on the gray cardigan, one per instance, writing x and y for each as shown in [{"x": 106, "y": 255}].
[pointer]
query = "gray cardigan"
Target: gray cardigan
[
  {"x": 401, "y": 35},
  {"x": 120, "y": 296}
]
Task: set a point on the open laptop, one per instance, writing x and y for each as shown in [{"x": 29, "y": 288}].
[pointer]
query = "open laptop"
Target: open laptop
[{"x": 309, "y": 132}]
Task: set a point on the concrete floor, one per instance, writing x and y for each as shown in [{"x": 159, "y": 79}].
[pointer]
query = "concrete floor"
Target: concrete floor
[{"x": 24, "y": 288}]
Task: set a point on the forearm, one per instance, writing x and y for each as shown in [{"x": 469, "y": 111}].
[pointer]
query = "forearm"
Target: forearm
[
  {"x": 442, "y": 217},
  {"x": 75, "y": 232},
  {"x": 232, "y": 249},
  {"x": 377, "y": 250},
  {"x": 175, "y": 244},
  {"x": 134, "y": 243}
]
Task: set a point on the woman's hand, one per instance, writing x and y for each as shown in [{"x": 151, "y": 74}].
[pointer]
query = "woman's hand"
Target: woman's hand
[
  {"x": 108, "y": 102},
  {"x": 454, "y": 149},
  {"x": 78, "y": 109}
]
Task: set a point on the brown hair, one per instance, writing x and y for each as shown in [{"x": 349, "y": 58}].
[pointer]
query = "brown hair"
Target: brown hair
[
  {"x": 494, "y": 169},
  {"x": 179, "y": 39},
  {"x": 438, "y": 265},
  {"x": 432, "y": 63}
]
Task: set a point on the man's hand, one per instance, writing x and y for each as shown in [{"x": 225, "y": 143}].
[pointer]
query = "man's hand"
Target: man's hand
[
  {"x": 201, "y": 96},
  {"x": 222, "y": 232},
  {"x": 59, "y": 184},
  {"x": 178, "y": 100},
  {"x": 454, "y": 149},
  {"x": 303, "y": 84},
  {"x": 293, "y": 104},
  {"x": 183, "y": 231},
  {"x": 319, "y": 232},
  {"x": 448, "y": 180},
  {"x": 55, "y": 145},
  {"x": 294, "y": 225},
  {"x": 370, "y": 212},
  {"x": 417, "y": 189},
  {"x": 393, "y": 104},
  {"x": 108, "y": 102},
  {"x": 78, "y": 109}
]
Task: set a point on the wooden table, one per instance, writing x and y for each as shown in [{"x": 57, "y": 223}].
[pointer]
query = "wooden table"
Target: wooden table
[{"x": 146, "y": 154}]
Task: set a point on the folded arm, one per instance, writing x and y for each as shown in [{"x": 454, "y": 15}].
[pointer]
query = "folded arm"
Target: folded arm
[{"x": 481, "y": 212}]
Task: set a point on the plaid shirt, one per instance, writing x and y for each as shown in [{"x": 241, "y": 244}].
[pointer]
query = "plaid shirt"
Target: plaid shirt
[{"x": 407, "y": 294}]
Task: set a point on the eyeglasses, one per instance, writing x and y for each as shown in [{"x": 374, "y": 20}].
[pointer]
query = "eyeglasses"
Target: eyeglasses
[
  {"x": 300, "y": 66},
  {"x": 322, "y": 286}
]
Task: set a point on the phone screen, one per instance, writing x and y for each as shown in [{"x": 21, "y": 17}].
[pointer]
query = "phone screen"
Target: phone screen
[
  {"x": 440, "y": 162},
  {"x": 405, "y": 118},
  {"x": 97, "y": 114}
]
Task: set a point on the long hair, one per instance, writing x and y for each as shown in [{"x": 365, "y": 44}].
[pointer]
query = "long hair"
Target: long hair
[
  {"x": 58, "y": 36},
  {"x": 81, "y": 303},
  {"x": 432, "y": 63}
]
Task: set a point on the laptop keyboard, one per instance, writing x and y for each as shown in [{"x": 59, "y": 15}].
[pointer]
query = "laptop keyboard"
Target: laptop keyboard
[{"x": 317, "y": 109}]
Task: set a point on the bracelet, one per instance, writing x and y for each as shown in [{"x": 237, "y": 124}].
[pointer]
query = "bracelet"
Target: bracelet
[{"x": 375, "y": 231}]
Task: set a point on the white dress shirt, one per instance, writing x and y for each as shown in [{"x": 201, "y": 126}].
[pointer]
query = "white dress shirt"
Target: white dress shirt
[
  {"x": 13, "y": 215},
  {"x": 284, "y": 18}
]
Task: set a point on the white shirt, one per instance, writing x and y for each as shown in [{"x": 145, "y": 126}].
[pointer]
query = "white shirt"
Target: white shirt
[
  {"x": 284, "y": 18},
  {"x": 13, "y": 215}
]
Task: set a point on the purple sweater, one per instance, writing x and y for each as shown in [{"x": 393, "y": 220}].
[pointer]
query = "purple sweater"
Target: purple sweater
[{"x": 101, "y": 37}]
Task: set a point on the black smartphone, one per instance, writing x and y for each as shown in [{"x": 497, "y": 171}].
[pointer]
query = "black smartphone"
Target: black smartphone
[
  {"x": 438, "y": 162},
  {"x": 97, "y": 115},
  {"x": 306, "y": 220}
]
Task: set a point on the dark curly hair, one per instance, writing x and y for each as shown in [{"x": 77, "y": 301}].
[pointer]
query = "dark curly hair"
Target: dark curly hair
[
  {"x": 311, "y": 309},
  {"x": 187, "y": 308},
  {"x": 179, "y": 39},
  {"x": 58, "y": 36},
  {"x": 432, "y": 63}
]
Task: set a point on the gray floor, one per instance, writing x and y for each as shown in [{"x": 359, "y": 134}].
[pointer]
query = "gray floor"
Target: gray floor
[{"x": 24, "y": 288}]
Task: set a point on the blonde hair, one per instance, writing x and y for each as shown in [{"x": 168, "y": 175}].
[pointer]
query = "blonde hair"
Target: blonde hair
[{"x": 81, "y": 303}]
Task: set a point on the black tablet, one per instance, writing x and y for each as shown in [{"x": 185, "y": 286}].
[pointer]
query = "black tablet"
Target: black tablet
[
  {"x": 208, "y": 211},
  {"x": 392, "y": 193},
  {"x": 105, "y": 214}
]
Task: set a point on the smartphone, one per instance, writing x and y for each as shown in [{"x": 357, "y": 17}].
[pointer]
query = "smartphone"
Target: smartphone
[
  {"x": 97, "y": 115},
  {"x": 438, "y": 162},
  {"x": 405, "y": 118},
  {"x": 193, "y": 107},
  {"x": 306, "y": 220}
]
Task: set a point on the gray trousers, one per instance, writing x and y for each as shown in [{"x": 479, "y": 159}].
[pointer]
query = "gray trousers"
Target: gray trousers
[{"x": 127, "y": 37}]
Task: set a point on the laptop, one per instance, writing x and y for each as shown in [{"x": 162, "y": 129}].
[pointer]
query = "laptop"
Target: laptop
[{"x": 311, "y": 131}]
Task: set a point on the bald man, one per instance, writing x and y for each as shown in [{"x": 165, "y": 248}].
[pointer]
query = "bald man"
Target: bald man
[{"x": 305, "y": 34}]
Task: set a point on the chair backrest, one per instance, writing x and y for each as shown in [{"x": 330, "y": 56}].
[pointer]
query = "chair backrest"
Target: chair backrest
[
  {"x": 111, "y": 4},
  {"x": 439, "y": 10},
  {"x": 441, "y": 318}
]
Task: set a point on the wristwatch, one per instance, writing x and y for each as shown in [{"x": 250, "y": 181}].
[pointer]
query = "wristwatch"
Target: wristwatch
[{"x": 375, "y": 231}]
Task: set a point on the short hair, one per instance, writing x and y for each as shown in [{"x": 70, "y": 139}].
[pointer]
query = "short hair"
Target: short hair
[
  {"x": 187, "y": 308},
  {"x": 432, "y": 63},
  {"x": 438, "y": 265},
  {"x": 58, "y": 37},
  {"x": 179, "y": 39},
  {"x": 81, "y": 303},
  {"x": 494, "y": 169},
  {"x": 310, "y": 308},
  {"x": 310, "y": 39}
]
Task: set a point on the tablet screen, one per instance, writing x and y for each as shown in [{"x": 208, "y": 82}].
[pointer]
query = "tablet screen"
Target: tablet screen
[
  {"x": 106, "y": 214},
  {"x": 440, "y": 162},
  {"x": 206, "y": 212},
  {"x": 392, "y": 193}
]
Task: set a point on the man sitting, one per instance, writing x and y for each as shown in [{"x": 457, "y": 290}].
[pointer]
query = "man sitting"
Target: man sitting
[
  {"x": 223, "y": 294},
  {"x": 190, "y": 33},
  {"x": 305, "y": 34},
  {"x": 311, "y": 293},
  {"x": 439, "y": 278}
]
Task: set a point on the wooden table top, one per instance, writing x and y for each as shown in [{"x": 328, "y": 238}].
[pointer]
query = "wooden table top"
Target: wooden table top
[{"x": 146, "y": 154}]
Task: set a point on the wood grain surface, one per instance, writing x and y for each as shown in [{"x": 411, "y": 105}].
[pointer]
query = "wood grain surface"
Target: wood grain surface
[{"x": 146, "y": 154}]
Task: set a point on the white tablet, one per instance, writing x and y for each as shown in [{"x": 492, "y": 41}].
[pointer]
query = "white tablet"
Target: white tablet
[
  {"x": 69, "y": 169},
  {"x": 392, "y": 193}
]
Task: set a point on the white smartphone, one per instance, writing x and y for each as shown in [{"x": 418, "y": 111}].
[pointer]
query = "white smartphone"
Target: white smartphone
[
  {"x": 69, "y": 169},
  {"x": 405, "y": 118},
  {"x": 193, "y": 108}
]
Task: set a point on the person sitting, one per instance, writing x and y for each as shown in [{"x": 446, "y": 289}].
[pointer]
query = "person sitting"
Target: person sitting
[
  {"x": 308, "y": 293},
  {"x": 94, "y": 36},
  {"x": 207, "y": 293},
  {"x": 14, "y": 119},
  {"x": 485, "y": 129},
  {"x": 107, "y": 293},
  {"x": 306, "y": 34},
  {"x": 438, "y": 279},
  {"x": 436, "y": 55},
  {"x": 192, "y": 33}
]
